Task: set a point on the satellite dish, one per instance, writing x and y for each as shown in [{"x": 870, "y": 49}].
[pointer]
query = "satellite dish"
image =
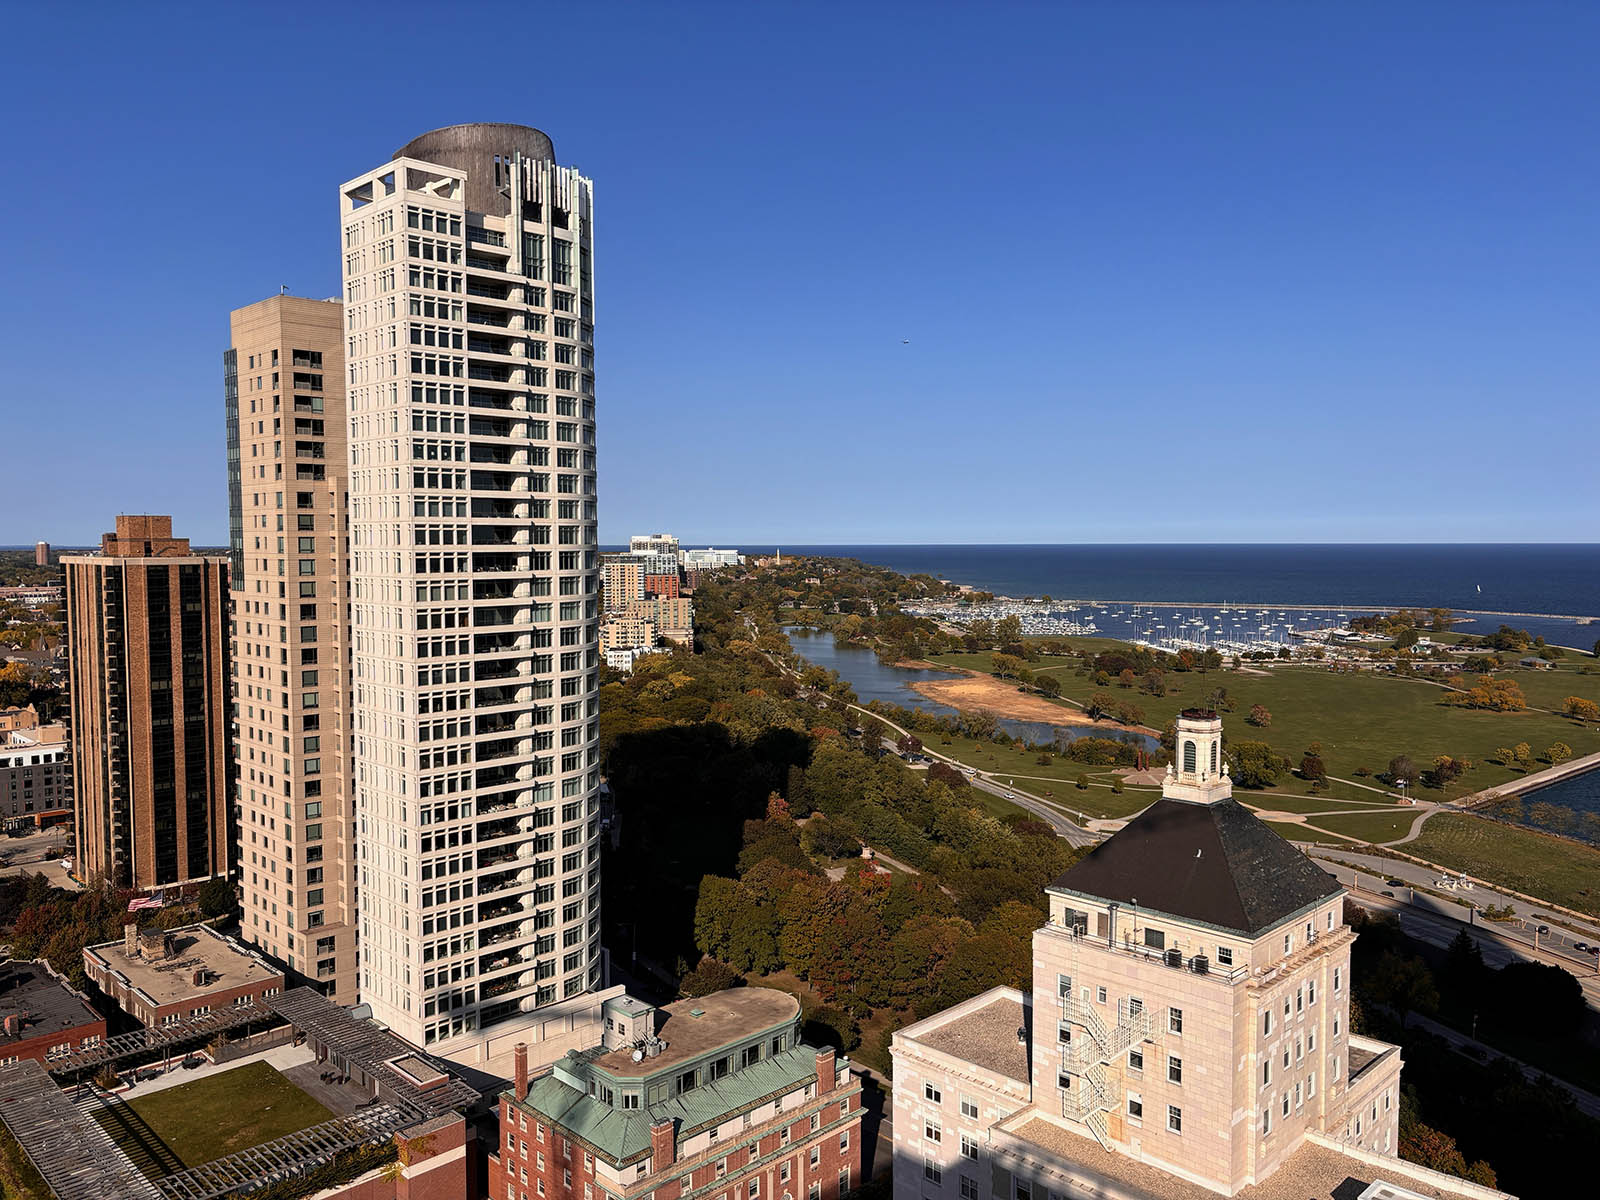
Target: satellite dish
[{"x": 638, "y": 1056}]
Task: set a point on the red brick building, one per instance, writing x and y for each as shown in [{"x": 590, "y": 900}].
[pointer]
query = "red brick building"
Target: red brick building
[
  {"x": 41, "y": 1012},
  {"x": 713, "y": 1098},
  {"x": 162, "y": 976},
  {"x": 665, "y": 586}
]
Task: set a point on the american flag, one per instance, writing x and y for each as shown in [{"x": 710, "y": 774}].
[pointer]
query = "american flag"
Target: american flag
[{"x": 143, "y": 902}]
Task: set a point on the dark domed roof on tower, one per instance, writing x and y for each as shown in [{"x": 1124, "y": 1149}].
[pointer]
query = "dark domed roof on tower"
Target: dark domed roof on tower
[
  {"x": 1215, "y": 863},
  {"x": 481, "y": 151}
]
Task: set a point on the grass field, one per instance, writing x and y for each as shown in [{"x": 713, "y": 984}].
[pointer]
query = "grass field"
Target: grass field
[
  {"x": 1295, "y": 833},
  {"x": 1275, "y": 802},
  {"x": 210, "y": 1118},
  {"x": 1560, "y": 871},
  {"x": 1361, "y": 720},
  {"x": 1369, "y": 827}
]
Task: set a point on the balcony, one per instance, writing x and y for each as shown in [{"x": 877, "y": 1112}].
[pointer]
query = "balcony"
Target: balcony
[
  {"x": 488, "y": 237},
  {"x": 482, "y": 316}
]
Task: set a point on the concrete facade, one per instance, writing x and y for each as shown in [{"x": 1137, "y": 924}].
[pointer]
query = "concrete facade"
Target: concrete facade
[
  {"x": 35, "y": 770},
  {"x": 284, "y": 385},
  {"x": 469, "y": 312},
  {"x": 149, "y": 668}
]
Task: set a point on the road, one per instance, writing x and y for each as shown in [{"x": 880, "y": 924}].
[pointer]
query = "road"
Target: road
[
  {"x": 38, "y": 853},
  {"x": 1499, "y": 946},
  {"x": 1561, "y": 941},
  {"x": 1588, "y": 1103}
]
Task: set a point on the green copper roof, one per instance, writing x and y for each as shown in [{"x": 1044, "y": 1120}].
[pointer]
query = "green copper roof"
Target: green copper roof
[{"x": 619, "y": 1134}]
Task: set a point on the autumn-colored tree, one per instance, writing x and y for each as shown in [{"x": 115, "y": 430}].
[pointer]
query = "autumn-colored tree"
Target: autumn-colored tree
[
  {"x": 1558, "y": 753},
  {"x": 1260, "y": 716},
  {"x": 1126, "y": 678},
  {"x": 1522, "y": 755},
  {"x": 1581, "y": 708}
]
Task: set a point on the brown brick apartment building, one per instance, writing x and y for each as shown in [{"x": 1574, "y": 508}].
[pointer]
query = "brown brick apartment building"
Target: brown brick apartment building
[
  {"x": 40, "y": 1012},
  {"x": 161, "y": 976},
  {"x": 713, "y": 1098},
  {"x": 148, "y": 671}
]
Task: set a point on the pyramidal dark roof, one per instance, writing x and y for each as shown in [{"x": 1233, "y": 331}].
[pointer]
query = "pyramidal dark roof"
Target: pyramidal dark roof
[{"x": 1216, "y": 863}]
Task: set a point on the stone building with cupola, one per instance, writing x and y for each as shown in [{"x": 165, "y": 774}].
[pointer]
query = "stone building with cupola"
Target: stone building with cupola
[{"x": 1187, "y": 1031}]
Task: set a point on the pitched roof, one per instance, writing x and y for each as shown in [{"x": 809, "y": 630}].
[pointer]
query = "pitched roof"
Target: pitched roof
[{"x": 1214, "y": 863}]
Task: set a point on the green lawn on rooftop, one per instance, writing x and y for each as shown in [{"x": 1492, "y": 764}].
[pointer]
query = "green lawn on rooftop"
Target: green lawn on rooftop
[{"x": 210, "y": 1118}]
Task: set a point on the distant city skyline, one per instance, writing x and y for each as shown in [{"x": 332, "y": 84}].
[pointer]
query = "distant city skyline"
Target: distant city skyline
[{"x": 1139, "y": 273}]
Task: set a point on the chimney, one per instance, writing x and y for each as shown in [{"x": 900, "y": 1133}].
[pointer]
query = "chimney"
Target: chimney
[
  {"x": 663, "y": 1146},
  {"x": 521, "y": 1071},
  {"x": 130, "y": 940},
  {"x": 827, "y": 1073},
  {"x": 199, "y": 977},
  {"x": 13, "y": 1026}
]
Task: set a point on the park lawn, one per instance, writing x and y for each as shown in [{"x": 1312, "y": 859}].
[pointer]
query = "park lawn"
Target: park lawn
[
  {"x": 1368, "y": 827},
  {"x": 1295, "y": 833},
  {"x": 214, "y": 1116},
  {"x": 1277, "y": 802},
  {"x": 1555, "y": 869},
  {"x": 1361, "y": 720},
  {"x": 1548, "y": 689}
]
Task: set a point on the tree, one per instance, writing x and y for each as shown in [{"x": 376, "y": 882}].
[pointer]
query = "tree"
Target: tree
[
  {"x": 1311, "y": 767},
  {"x": 1256, "y": 764},
  {"x": 1008, "y": 630},
  {"x": 1260, "y": 716},
  {"x": 1083, "y": 783},
  {"x": 1049, "y": 685},
  {"x": 217, "y": 898},
  {"x": 1101, "y": 704},
  {"x": 1211, "y": 660},
  {"x": 1401, "y": 768},
  {"x": 1404, "y": 984},
  {"x": 1126, "y": 678},
  {"x": 908, "y": 743},
  {"x": 1007, "y": 666},
  {"x": 1580, "y": 707},
  {"x": 709, "y": 976},
  {"x": 1558, "y": 753},
  {"x": 1405, "y": 639},
  {"x": 1154, "y": 683},
  {"x": 1130, "y": 714},
  {"x": 1522, "y": 755}
]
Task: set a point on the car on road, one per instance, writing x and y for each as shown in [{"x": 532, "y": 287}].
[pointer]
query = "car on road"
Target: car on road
[
  {"x": 1388, "y": 893},
  {"x": 1011, "y": 795},
  {"x": 1544, "y": 929},
  {"x": 1581, "y": 946},
  {"x": 1397, "y": 883}
]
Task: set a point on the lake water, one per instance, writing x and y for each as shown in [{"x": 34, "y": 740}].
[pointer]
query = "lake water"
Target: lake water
[
  {"x": 873, "y": 679},
  {"x": 1475, "y": 580},
  {"x": 1580, "y": 793}
]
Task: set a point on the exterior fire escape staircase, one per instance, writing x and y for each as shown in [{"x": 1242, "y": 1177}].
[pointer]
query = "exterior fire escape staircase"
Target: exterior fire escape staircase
[{"x": 1088, "y": 1059}]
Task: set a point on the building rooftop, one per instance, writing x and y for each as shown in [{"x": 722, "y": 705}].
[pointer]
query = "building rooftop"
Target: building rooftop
[
  {"x": 1213, "y": 863},
  {"x": 165, "y": 970},
  {"x": 696, "y": 1027},
  {"x": 35, "y": 1002},
  {"x": 986, "y": 1037},
  {"x": 622, "y": 1134},
  {"x": 1315, "y": 1171}
]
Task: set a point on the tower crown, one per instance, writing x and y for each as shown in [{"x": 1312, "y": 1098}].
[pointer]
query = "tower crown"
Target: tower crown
[{"x": 1198, "y": 773}]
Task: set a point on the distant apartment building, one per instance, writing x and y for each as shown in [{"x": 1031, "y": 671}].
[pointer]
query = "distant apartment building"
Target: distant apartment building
[
  {"x": 673, "y": 616},
  {"x": 715, "y": 1097},
  {"x": 468, "y": 277},
  {"x": 34, "y": 595},
  {"x": 711, "y": 559},
  {"x": 668, "y": 586},
  {"x": 654, "y": 543},
  {"x": 625, "y": 658},
  {"x": 1186, "y": 1034},
  {"x": 35, "y": 770},
  {"x": 41, "y": 554},
  {"x": 148, "y": 675},
  {"x": 624, "y": 632},
  {"x": 284, "y": 395},
  {"x": 622, "y": 581}
]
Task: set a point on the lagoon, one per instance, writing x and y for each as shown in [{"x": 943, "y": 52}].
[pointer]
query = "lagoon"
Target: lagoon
[{"x": 874, "y": 679}]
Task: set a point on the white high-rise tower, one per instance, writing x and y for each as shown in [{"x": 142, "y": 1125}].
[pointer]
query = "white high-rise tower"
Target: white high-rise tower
[{"x": 469, "y": 302}]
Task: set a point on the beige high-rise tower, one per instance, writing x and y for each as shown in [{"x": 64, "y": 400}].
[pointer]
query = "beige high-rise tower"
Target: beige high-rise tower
[
  {"x": 284, "y": 379},
  {"x": 468, "y": 276}
]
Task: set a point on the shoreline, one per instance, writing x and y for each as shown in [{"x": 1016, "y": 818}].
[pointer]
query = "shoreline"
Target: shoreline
[
  {"x": 1457, "y": 614},
  {"x": 974, "y": 691}
]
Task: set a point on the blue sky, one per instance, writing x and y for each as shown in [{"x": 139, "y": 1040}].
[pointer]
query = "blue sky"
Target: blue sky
[{"x": 1211, "y": 271}]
